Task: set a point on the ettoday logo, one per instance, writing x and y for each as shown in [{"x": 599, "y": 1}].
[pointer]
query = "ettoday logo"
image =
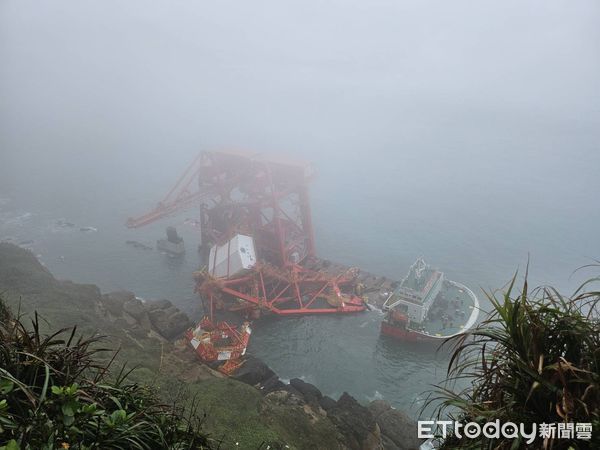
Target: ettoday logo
[{"x": 508, "y": 430}]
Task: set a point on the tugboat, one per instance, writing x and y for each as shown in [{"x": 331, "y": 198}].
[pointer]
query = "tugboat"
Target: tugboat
[{"x": 425, "y": 307}]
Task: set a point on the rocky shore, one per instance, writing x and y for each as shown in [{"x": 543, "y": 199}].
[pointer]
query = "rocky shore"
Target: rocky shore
[
  {"x": 254, "y": 407},
  {"x": 376, "y": 426}
]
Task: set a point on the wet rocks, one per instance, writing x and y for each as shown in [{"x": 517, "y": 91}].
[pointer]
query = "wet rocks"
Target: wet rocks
[
  {"x": 327, "y": 403},
  {"x": 272, "y": 384},
  {"x": 376, "y": 426},
  {"x": 168, "y": 321},
  {"x": 311, "y": 394},
  {"x": 356, "y": 423},
  {"x": 138, "y": 312},
  {"x": 135, "y": 308},
  {"x": 397, "y": 429},
  {"x": 285, "y": 397},
  {"x": 297, "y": 408},
  {"x": 113, "y": 301},
  {"x": 139, "y": 245},
  {"x": 160, "y": 316},
  {"x": 255, "y": 372},
  {"x": 64, "y": 223}
]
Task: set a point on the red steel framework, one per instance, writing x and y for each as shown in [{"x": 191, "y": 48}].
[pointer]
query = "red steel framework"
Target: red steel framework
[{"x": 266, "y": 198}]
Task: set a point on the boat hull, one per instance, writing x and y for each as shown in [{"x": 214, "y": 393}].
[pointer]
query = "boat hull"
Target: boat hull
[{"x": 407, "y": 335}]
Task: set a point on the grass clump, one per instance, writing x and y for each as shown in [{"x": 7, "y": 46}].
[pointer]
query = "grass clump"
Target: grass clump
[
  {"x": 54, "y": 394},
  {"x": 534, "y": 360}
]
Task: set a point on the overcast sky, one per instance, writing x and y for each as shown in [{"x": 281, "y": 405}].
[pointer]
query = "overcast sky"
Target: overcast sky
[
  {"x": 430, "y": 87},
  {"x": 250, "y": 73},
  {"x": 488, "y": 105}
]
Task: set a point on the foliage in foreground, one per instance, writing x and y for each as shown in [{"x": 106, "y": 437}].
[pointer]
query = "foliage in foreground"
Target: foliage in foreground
[
  {"x": 536, "y": 359},
  {"x": 53, "y": 394}
]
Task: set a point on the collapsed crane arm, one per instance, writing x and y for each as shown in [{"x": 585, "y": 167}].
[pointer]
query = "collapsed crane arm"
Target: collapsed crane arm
[
  {"x": 184, "y": 194},
  {"x": 165, "y": 209}
]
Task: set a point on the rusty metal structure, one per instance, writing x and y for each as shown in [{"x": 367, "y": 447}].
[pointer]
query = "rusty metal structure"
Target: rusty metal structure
[
  {"x": 244, "y": 193},
  {"x": 268, "y": 200}
]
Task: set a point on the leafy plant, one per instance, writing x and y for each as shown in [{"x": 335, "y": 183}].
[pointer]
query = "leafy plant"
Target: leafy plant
[
  {"x": 535, "y": 359},
  {"x": 53, "y": 394}
]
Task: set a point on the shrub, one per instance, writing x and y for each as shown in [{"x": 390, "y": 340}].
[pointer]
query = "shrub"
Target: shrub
[
  {"x": 535, "y": 359},
  {"x": 53, "y": 394}
]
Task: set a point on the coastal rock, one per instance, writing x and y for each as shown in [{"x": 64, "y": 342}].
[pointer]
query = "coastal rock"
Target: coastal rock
[
  {"x": 278, "y": 397},
  {"x": 310, "y": 392},
  {"x": 254, "y": 372},
  {"x": 159, "y": 304},
  {"x": 395, "y": 426},
  {"x": 327, "y": 403},
  {"x": 20, "y": 269},
  {"x": 295, "y": 392},
  {"x": 356, "y": 423},
  {"x": 388, "y": 444},
  {"x": 135, "y": 308},
  {"x": 113, "y": 301},
  {"x": 378, "y": 407},
  {"x": 275, "y": 409},
  {"x": 272, "y": 384},
  {"x": 285, "y": 397},
  {"x": 169, "y": 322}
]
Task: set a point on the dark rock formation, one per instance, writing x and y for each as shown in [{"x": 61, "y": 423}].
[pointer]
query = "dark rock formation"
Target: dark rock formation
[
  {"x": 167, "y": 319},
  {"x": 327, "y": 403},
  {"x": 297, "y": 410},
  {"x": 113, "y": 301},
  {"x": 135, "y": 308},
  {"x": 272, "y": 384},
  {"x": 356, "y": 423},
  {"x": 310, "y": 393},
  {"x": 378, "y": 426},
  {"x": 159, "y": 304},
  {"x": 160, "y": 316},
  {"x": 286, "y": 397},
  {"x": 397, "y": 429},
  {"x": 254, "y": 372}
]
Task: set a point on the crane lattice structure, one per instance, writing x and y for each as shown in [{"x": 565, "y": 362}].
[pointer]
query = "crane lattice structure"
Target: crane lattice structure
[{"x": 267, "y": 199}]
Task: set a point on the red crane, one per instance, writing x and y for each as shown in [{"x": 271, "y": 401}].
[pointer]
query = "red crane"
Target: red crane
[
  {"x": 266, "y": 199},
  {"x": 183, "y": 195}
]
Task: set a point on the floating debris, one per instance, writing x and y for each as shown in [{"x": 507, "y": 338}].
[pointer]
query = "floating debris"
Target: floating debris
[{"x": 89, "y": 229}]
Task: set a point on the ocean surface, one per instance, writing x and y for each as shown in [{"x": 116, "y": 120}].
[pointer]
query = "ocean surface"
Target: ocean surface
[
  {"x": 376, "y": 216},
  {"x": 465, "y": 134}
]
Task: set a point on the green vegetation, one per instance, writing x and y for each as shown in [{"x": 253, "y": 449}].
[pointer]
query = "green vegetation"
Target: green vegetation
[
  {"x": 536, "y": 359},
  {"x": 54, "y": 394},
  {"x": 244, "y": 417},
  {"x": 258, "y": 423},
  {"x": 231, "y": 411}
]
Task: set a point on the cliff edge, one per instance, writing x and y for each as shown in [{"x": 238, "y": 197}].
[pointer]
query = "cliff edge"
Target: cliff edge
[{"x": 252, "y": 409}]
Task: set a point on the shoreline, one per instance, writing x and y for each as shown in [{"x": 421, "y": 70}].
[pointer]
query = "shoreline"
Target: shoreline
[{"x": 148, "y": 333}]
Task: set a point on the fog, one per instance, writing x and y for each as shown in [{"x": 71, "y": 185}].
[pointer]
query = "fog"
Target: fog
[{"x": 490, "y": 110}]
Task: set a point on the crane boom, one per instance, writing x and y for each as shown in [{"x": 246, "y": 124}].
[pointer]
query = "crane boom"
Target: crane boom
[{"x": 182, "y": 195}]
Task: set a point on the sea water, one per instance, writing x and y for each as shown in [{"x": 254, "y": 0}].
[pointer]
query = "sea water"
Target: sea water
[{"x": 376, "y": 211}]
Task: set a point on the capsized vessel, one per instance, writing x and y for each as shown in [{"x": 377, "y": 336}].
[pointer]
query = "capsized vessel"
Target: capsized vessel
[{"x": 426, "y": 307}]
